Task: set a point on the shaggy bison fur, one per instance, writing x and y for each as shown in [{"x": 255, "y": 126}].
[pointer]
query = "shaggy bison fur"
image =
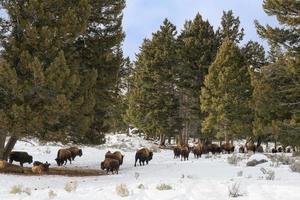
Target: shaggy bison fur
[
  {"x": 116, "y": 155},
  {"x": 21, "y": 157},
  {"x": 197, "y": 151},
  {"x": 143, "y": 155},
  {"x": 75, "y": 151},
  {"x": 251, "y": 147},
  {"x": 227, "y": 147},
  {"x": 40, "y": 168},
  {"x": 110, "y": 164},
  {"x": 184, "y": 153},
  {"x": 63, "y": 155}
]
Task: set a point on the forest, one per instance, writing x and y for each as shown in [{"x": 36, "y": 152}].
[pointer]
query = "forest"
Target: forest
[{"x": 64, "y": 78}]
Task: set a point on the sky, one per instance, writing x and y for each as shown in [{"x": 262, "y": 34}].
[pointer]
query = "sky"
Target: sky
[{"x": 143, "y": 17}]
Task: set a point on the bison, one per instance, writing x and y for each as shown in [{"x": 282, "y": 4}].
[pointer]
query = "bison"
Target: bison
[
  {"x": 227, "y": 147},
  {"x": 75, "y": 151},
  {"x": 116, "y": 155},
  {"x": 143, "y": 155},
  {"x": 63, "y": 155},
  {"x": 242, "y": 149},
  {"x": 280, "y": 149},
  {"x": 197, "y": 151},
  {"x": 260, "y": 149},
  {"x": 274, "y": 150},
  {"x": 184, "y": 153},
  {"x": 176, "y": 151},
  {"x": 40, "y": 168},
  {"x": 19, "y": 156},
  {"x": 251, "y": 147},
  {"x": 110, "y": 164}
]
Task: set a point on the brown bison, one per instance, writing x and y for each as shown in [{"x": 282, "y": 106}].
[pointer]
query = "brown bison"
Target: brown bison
[
  {"x": 197, "y": 151},
  {"x": 110, "y": 164},
  {"x": 143, "y": 155},
  {"x": 251, "y": 147},
  {"x": 288, "y": 150},
  {"x": 19, "y": 156},
  {"x": 177, "y": 152},
  {"x": 116, "y": 155},
  {"x": 227, "y": 147},
  {"x": 280, "y": 149},
  {"x": 274, "y": 150},
  {"x": 40, "y": 168},
  {"x": 63, "y": 155},
  {"x": 184, "y": 153},
  {"x": 75, "y": 151}
]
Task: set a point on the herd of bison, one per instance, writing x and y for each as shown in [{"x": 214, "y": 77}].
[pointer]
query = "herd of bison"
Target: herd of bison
[{"x": 113, "y": 160}]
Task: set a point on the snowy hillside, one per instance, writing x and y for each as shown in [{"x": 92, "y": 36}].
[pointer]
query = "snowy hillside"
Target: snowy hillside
[{"x": 209, "y": 177}]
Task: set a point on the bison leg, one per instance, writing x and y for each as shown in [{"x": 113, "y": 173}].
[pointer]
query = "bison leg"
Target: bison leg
[
  {"x": 11, "y": 161},
  {"x": 21, "y": 164}
]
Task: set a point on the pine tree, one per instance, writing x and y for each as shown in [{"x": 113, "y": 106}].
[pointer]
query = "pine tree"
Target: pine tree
[
  {"x": 99, "y": 48},
  {"x": 226, "y": 95},
  {"x": 40, "y": 35},
  {"x": 230, "y": 28},
  {"x": 197, "y": 50},
  {"x": 281, "y": 77},
  {"x": 153, "y": 100}
]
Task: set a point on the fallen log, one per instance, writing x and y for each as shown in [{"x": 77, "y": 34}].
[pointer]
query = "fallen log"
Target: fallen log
[{"x": 8, "y": 168}]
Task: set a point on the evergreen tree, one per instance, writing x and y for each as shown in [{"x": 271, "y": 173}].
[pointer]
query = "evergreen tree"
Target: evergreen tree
[
  {"x": 254, "y": 54},
  {"x": 226, "y": 95},
  {"x": 99, "y": 48},
  {"x": 281, "y": 78},
  {"x": 197, "y": 50},
  {"x": 230, "y": 28},
  {"x": 153, "y": 100},
  {"x": 39, "y": 99}
]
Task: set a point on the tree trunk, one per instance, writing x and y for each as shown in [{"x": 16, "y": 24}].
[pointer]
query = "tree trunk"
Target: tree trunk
[
  {"x": 169, "y": 140},
  {"x": 162, "y": 140},
  {"x": 2, "y": 145},
  {"x": 9, "y": 146},
  {"x": 258, "y": 141}
]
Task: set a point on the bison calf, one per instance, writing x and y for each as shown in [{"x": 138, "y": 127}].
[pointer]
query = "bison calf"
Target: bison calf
[
  {"x": 19, "y": 156},
  {"x": 110, "y": 164},
  {"x": 143, "y": 155},
  {"x": 40, "y": 168}
]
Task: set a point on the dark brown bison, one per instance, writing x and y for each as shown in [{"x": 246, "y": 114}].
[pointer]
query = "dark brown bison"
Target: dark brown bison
[
  {"x": 143, "y": 155},
  {"x": 40, "y": 168},
  {"x": 19, "y": 156},
  {"x": 110, "y": 164},
  {"x": 242, "y": 149},
  {"x": 280, "y": 149},
  {"x": 227, "y": 147},
  {"x": 116, "y": 155},
  {"x": 63, "y": 155},
  {"x": 288, "y": 150},
  {"x": 274, "y": 150},
  {"x": 184, "y": 153},
  {"x": 197, "y": 151},
  {"x": 75, "y": 151},
  {"x": 176, "y": 151}
]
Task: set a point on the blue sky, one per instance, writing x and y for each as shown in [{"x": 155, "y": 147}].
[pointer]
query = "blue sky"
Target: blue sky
[{"x": 143, "y": 17}]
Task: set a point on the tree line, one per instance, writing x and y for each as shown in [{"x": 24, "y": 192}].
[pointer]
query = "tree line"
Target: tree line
[
  {"x": 63, "y": 76},
  {"x": 206, "y": 84}
]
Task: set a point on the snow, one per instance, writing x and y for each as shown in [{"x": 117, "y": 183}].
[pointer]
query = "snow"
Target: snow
[
  {"x": 258, "y": 157},
  {"x": 206, "y": 178}
]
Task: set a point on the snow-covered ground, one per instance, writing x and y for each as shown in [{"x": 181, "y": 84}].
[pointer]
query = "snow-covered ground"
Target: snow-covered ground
[{"x": 207, "y": 178}]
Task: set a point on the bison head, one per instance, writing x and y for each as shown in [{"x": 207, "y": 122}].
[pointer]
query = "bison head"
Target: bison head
[
  {"x": 80, "y": 152},
  {"x": 58, "y": 161},
  {"x": 30, "y": 159},
  {"x": 102, "y": 165},
  {"x": 150, "y": 155}
]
